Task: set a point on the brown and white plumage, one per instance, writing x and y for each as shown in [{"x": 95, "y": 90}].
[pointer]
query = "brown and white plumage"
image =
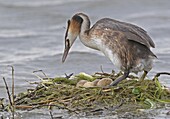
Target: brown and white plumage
[{"x": 126, "y": 45}]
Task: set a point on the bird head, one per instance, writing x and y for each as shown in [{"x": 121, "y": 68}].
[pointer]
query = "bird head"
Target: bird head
[{"x": 73, "y": 30}]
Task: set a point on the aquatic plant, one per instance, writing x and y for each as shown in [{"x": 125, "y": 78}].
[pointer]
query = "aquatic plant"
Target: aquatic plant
[{"x": 63, "y": 93}]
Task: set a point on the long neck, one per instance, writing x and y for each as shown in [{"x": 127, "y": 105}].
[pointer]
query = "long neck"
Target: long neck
[
  {"x": 84, "y": 33},
  {"x": 85, "y": 26}
]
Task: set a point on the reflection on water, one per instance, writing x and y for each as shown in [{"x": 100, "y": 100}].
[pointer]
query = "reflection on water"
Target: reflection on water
[{"x": 32, "y": 36}]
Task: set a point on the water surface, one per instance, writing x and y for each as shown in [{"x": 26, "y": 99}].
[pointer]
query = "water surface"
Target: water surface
[{"x": 32, "y": 36}]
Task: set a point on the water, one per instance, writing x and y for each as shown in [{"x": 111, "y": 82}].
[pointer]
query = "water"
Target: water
[{"x": 32, "y": 36}]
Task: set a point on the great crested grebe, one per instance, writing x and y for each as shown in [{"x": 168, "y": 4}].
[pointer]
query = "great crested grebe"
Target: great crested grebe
[{"x": 126, "y": 45}]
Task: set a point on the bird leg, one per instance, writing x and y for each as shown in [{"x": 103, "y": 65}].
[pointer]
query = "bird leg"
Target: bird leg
[
  {"x": 143, "y": 75},
  {"x": 125, "y": 75}
]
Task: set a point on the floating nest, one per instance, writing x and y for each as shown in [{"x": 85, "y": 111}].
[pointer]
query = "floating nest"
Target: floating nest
[{"x": 71, "y": 94}]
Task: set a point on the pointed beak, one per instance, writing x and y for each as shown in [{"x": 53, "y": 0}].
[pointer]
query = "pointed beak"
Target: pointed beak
[
  {"x": 66, "y": 50},
  {"x": 73, "y": 30}
]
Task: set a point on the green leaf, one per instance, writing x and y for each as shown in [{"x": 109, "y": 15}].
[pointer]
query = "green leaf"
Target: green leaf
[
  {"x": 150, "y": 102},
  {"x": 136, "y": 91}
]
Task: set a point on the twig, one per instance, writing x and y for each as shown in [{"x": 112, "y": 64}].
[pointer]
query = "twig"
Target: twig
[
  {"x": 51, "y": 114},
  {"x": 41, "y": 72},
  {"x": 23, "y": 107},
  {"x": 102, "y": 74},
  {"x": 13, "y": 103},
  {"x": 160, "y": 73},
  {"x": 12, "y": 83},
  {"x": 42, "y": 79},
  {"x": 7, "y": 89},
  {"x": 38, "y": 75},
  {"x": 101, "y": 68},
  {"x": 50, "y": 110}
]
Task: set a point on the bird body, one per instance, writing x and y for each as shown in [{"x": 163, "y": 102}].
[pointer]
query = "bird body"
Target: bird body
[{"x": 126, "y": 45}]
